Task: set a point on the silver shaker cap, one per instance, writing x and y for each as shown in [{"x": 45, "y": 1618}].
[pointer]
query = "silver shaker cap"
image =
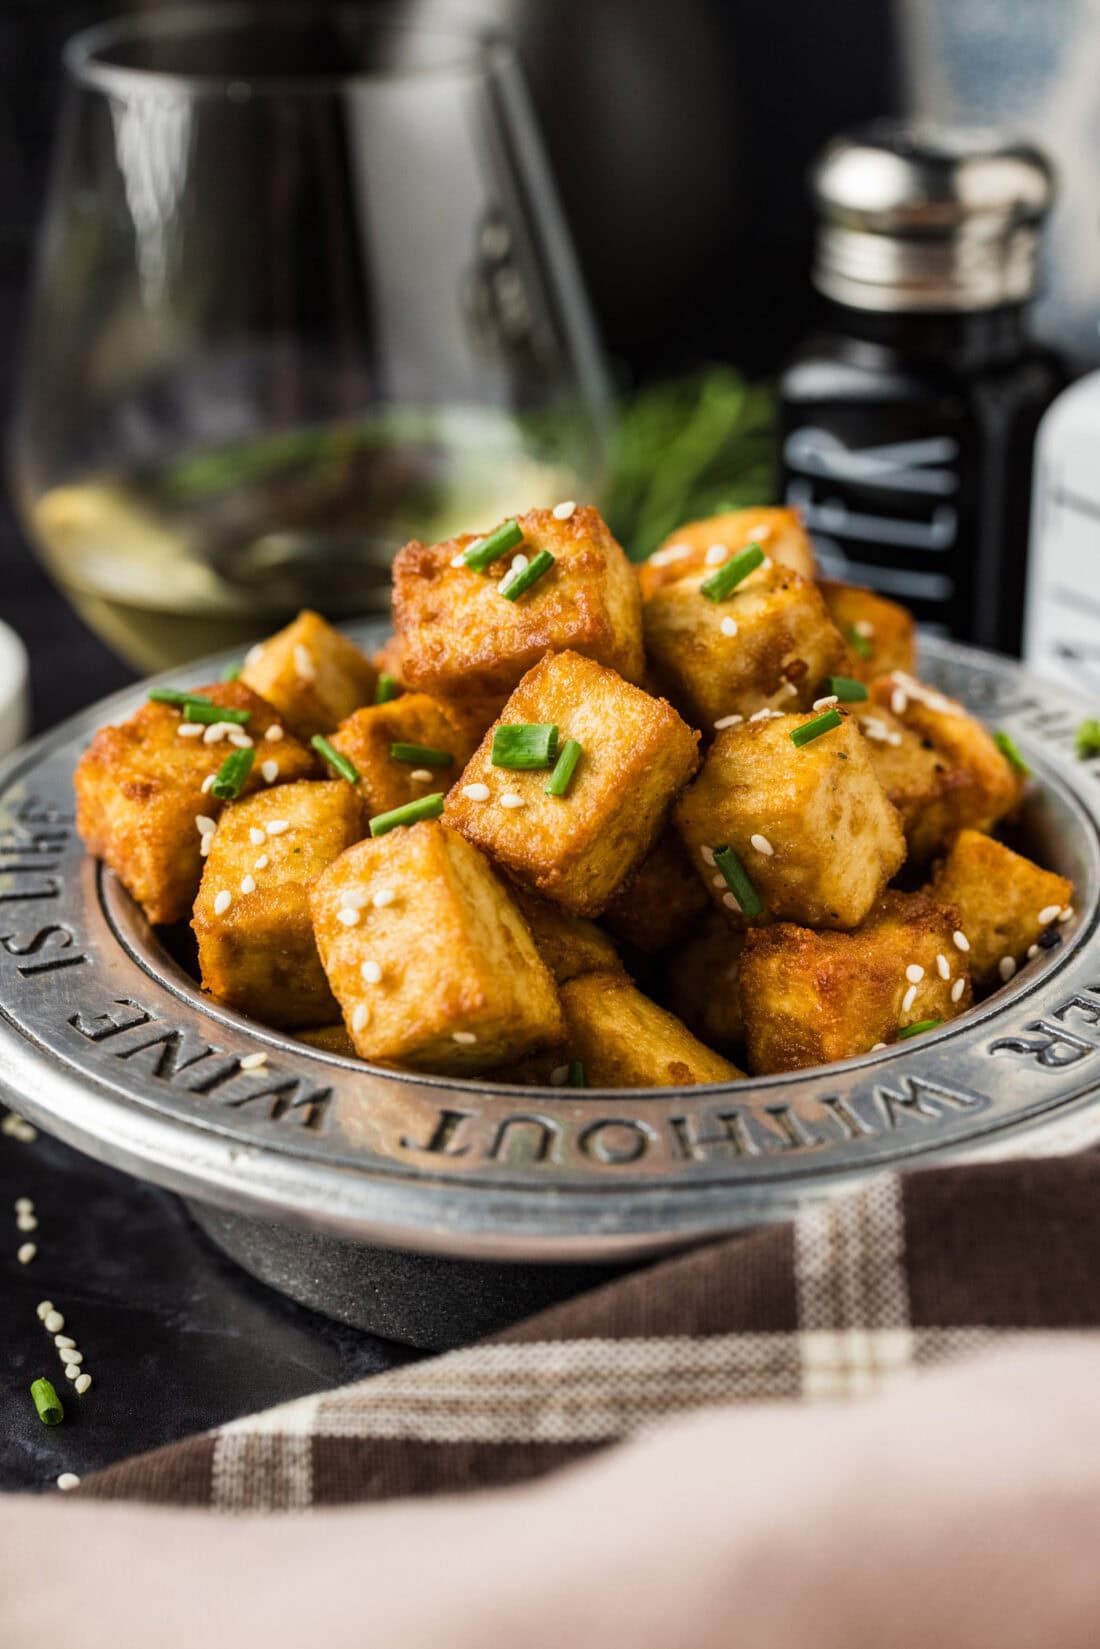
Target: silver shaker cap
[{"x": 917, "y": 216}]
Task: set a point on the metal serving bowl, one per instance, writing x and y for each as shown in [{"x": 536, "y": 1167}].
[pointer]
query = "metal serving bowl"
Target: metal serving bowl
[{"x": 431, "y": 1209}]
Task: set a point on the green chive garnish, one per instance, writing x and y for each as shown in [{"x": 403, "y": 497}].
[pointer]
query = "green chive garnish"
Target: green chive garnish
[
  {"x": 233, "y": 673},
  {"x": 172, "y": 695},
  {"x": 202, "y": 710},
  {"x": 233, "y": 775},
  {"x": 561, "y": 778},
  {"x": 421, "y": 755},
  {"x": 918, "y": 1029},
  {"x": 480, "y": 556},
  {"x": 346, "y": 769},
  {"x": 525, "y": 745},
  {"x": 859, "y": 644},
  {"x": 718, "y": 586},
  {"x": 428, "y": 807},
  {"x": 1006, "y": 744},
  {"x": 388, "y": 687},
  {"x": 1088, "y": 738},
  {"x": 576, "y": 1074},
  {"x": 847, "y": 690},
  {"x": 516, "y": 583},
  {"x": 47, "y": 1402},
  {"x": 737, "y": 881},
  {"x": 824, "y": 723}
]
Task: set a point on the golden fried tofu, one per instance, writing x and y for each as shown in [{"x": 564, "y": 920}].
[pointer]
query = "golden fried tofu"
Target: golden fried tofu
[
  {"x": 811, "y": 826},
  {"x": 704, "y": 980},
  {"x": 916, "y": 776},
  {"x": 568, "y": 944},
  {"x": 1005, "y": 902},
  {"x": 142, "y": 791},
  {"x": 977, "y": 787},
  {"x": 463, "y": 639},
  {"x": 770, "y": 643},
  {"x": 431, "y": 962},
  {"x": 312, "y": 673},
  {"x": 626, "y": 1041},
  {"x": 699, "y": 545},
  {"x": 657, "y": 903},
  {"x": 576, "y": 849},
  {"x": 330, "y": 1039},
  {"x": 809, "y": 998},
  {"x": 252, "y": 920},
  {"x": 368, "y": 736},
  {"x": 880, "y": 635},
  {"x": 389, "y": 660}
]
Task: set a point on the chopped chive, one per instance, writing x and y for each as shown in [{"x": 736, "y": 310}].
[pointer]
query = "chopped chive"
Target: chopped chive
[
  {"x": 202, "y": 710},
  {"x": 47, "y": 1402},
  {"x": 847, "y": 690},
  {"x": 525, "y": 745},
  {"x": 1088, "y": 738},
  {"x": 561, "y": 778},
  {"x": 1006, "y": 744},
  {"x": 505, "y": 537},
  {"x": 232, "y": 775},
  {"x": 737, "y": 881},
  {"x": 516, "y": 583},
  {"x": 824, "y": 723},
  {"x": 422, "y": 755},
  {"x": 859, "y": 644},
  {"x": 388, "y": 687},
  {"x": 232, "y": 673},
  {"x": 428, "y": 807},
  {"x": 346, "y": 769},
  {"x": 173, "y": 695},
  {"x": 576, "y": 1077},
  {"x": 719, "y": 585},
  {"x": 918, "y": 1029}
]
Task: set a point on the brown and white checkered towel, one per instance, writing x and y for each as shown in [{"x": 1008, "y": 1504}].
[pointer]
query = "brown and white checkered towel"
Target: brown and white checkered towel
[{"x": 914, "y": 1270}]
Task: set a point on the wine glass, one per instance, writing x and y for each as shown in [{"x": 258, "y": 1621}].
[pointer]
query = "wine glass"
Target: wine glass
[{"x": 303, "y": 292}]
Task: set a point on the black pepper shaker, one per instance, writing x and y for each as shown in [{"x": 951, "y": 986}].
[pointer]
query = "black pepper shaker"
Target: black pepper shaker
[{"x": 909, "y": 417}]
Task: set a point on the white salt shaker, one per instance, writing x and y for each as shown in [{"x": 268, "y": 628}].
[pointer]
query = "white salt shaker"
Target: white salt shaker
[{"x": 1062, "y": 619}]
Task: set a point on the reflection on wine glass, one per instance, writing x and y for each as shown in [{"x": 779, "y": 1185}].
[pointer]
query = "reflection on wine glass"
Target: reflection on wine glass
[{"x": 303, "y": 292}]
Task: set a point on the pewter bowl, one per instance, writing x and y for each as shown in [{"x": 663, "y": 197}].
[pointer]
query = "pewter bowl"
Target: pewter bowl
[{"x": 431, "y": 1209}]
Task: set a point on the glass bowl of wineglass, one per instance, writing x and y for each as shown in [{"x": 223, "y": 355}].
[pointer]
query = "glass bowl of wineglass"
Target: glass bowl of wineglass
[{"x": 303, "y": 292}]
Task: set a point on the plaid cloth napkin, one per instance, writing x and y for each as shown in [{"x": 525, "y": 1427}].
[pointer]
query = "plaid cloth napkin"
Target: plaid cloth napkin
[{"x": 913, "y": 1271}]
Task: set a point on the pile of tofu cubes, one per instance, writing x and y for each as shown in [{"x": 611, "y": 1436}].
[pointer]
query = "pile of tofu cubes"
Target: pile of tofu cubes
[{"x": 763, "y": 817}]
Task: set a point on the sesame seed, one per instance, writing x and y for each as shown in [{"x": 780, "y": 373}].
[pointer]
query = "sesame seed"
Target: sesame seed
[
  {"x": 274, "y": 733},
  {"x": 252, "y": 1062},
  {"x": 476, "y": 792},
  {"x": 360, "y": 1017},
  {"x": 384, "y": 896},
  {"x": 519, "y": 562},
  {"x": 959, "y": 940},
  {"x": 303, "y": 663},
  {"x": 671, "y": 552},
  {"x": 730, "y": 902},
  {"x": 875, "y": 729},
  {"x": 459, "y": 560},
  {"x": 239, "y": 738},
  {"x": 863, "y": 627},
  {"x": 222, "y": 902},
  {"x": 1006, "y": 967},
  {"x": 248, "y": 885},
  {"x": 276, "y": 827},
  {"x": 82, "y": 1384},
  {"x": 765, "y": 715},
  {"x": 1066, "y": 914},
  {"x": 727, "y": 721},
  {"x": 348, "y": 915},
  {"x": 54, "y": 1322},
  {"x": 189, "y": 730},
  {"x": 765, "y": 564},
  {"x": 371, "y": 971},
  {"x": 465, "y": 1037},
  {"x": 914, "y": 973},
  {"x": 718, "y": 881},
  {"x": 205, "y": 844},
  {"x": 262, "y": 862},
  {"x": 26, "y": 1222},
  {"x": 943, "y": 966},
  {"x": 1048, "y": 914},
  {"x": 72, "y": 1370},
  {"x": 43, "y": 1309},
  {"x": 762, "y": 845},
  {"x": 562, "y": 511},
  {"x": 875, "y": 1046},
  {"x": 208, "y": 782},
  {"x": 68, "y": 1480},
  {"x": 24, "y": 1205},
  {"x": 899, "y": 702},
  {"x": 205, "y": 823},
  {"x": 716, "y": 553},
  {"x": 420, "y": 773},
  {"x": 63, "y": 1340},
  {"x": 957, "y": 989},
  {"x": 510, "y": 799},
  {"x": 255, "y": 653},
  {"x": 269, "y": 771},
  {"x": 25, "y": 1254},
  {"x": 16, "y": 1127},
  {"x": 789, "y": 690},
  {"x": 823, "y": 704},
  {"x": 707, "y": 855},
  {"x": 257, "y": 836},
  {"x": 71, "y": 1357},
  {"x": 559, "y": 1076},
  {"x": 908, "y": 999},
  {"x": 214, "y": 734},
  {"x": 1032, "y": 952},
  {"x": 728, "y": 626}
]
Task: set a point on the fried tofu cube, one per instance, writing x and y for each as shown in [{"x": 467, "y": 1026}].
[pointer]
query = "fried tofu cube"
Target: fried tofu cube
[
  {"x": 312, "y": 673},
  {"x": 658, "y": 903},
  {"x": 252, "y": 919},
  {"x": 705, "y": 983},
  {"x": 700, "y": 545},
  {"x": 576, "y": 849},
  {"x": 626, "y": 1041},
  {"x": 389, "y": 660},
  {"x": 917, "y": 777},
  {"x": 811, "y": 998},
  {"x": 568, "y": 944},
  {"x": 812, "y": 826},
  {"x": 462, "y": 639},
  {"x": 1005, "y": 902},
  {"x": 432, "y": 964},
  {"x": 142, "y": 791},
  {"x": 368, "y": 736},
  {"x": 880, "y": 635},
  {"x": 771, "y": 643}
]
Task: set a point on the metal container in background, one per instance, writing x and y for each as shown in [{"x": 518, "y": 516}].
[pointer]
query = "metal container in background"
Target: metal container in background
[{"x": 909, "y": 416}]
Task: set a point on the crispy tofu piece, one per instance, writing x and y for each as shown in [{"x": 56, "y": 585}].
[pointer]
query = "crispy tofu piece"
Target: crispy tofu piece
[
  {"x": 462, "y": 639},
  {"x": 576, "y": 849},
  {"x": 389, "y": 660},
  {"x": 568, "y": 944},
  {"x": 258, "y": 954},
  {"x": 366, "y": 738},
  {"x": 1005, "y": 902},
  {"x": 627, "y": 1041},
  {"x": 782, "y": 645},
  {"x": 312, "y": 673},
  {"x": 695, "y": 546},
  {"x": 657, "y": 904},
  {"x": 140, "y": 790},
  {"x": 917, "y": 777},
  {"x": 811, "y": 998},
  {"x": 812, "y": 827},
  {"x": 872, "y": 626},
  {"x": 433, "y": 965},
  {"x": 330, "y": 1039},
  {"x": 705, "y": 983}
]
